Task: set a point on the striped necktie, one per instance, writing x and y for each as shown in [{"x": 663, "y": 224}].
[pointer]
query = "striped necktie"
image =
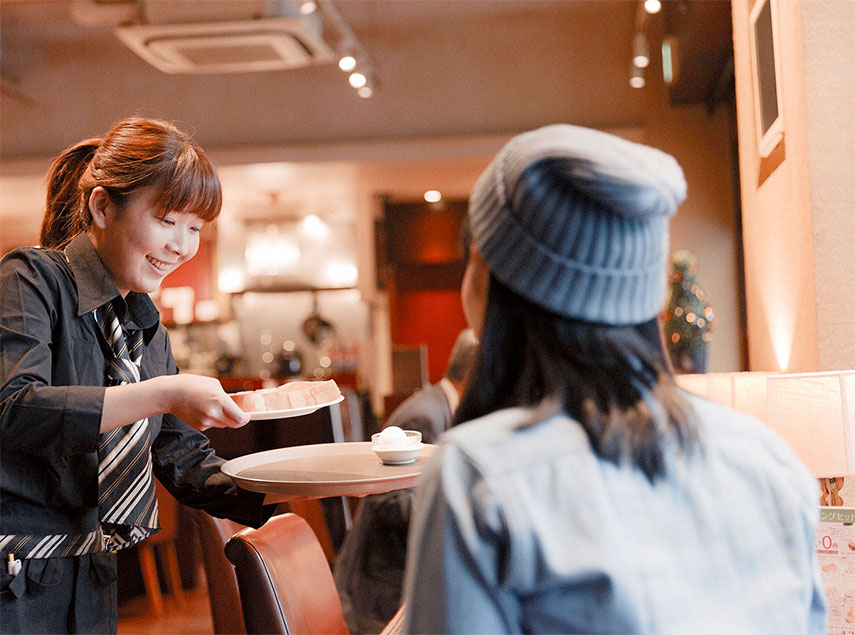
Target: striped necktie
[{"x": 126, "y": 491}]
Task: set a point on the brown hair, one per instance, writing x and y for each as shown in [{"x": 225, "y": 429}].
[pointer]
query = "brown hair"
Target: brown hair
[{"x": 137, "y": 152}]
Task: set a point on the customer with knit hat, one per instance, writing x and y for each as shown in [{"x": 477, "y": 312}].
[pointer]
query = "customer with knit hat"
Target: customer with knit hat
[{"x": 586, "y": 493}]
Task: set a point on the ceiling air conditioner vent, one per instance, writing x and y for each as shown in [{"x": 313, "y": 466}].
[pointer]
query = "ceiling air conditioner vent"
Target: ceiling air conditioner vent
[{"x": 264, "y": 44}]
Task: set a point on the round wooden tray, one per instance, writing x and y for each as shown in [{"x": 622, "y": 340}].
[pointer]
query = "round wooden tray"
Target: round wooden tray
[{"x": 321, "y": 470}]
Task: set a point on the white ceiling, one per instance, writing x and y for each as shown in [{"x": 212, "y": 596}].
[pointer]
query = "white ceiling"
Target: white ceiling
[
  {"x": 454, "y": 76},
  {"x": 445, "y": 68}
]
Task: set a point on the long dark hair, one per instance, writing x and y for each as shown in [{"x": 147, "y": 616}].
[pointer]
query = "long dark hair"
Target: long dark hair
[
  {"x": 614, "y": 380},
  {"x": 137, "y": 152}
]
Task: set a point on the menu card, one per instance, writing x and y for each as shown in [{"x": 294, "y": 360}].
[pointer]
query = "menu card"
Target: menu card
[{"x": 835, "y": 548}]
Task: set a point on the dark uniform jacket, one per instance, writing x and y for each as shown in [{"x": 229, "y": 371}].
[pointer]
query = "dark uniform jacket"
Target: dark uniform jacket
[{"x": 53, "y": 364}]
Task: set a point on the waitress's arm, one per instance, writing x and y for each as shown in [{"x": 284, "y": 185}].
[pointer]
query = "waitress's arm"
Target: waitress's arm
[
  {"x": 198, "y": 400},
  {"x": 42, "y": 411}
]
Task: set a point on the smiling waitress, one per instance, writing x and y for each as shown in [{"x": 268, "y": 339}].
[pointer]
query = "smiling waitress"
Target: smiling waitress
[{"x": 91, "y": 404}]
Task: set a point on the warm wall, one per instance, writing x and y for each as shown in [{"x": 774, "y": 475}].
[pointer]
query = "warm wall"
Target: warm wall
[
  {"x": 705, "y": 224},
  {"x": 827, "y": 28},
  {"x": 779, "y": 275},
  {"x": 798, "y": 227}
]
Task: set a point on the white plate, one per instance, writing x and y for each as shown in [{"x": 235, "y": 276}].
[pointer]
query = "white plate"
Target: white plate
[{"x": 265, "y": 415}]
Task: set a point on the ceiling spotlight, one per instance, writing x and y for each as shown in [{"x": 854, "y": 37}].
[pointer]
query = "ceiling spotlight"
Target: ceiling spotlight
[
  {"x": 348, "y": 51},
  {"x": 353, "y": 59},
  {"x": 640, "y": 50},
  {"x": 367, "y": 89},
  {"x": 308, "y": 7},
  {"x": 347, "y": 63},
  {"x": 357, "y": 80},
  {"x": 433, "y": 196},
  {"x": 652, "y": 6},
  {"x": 636, "y": 77}
]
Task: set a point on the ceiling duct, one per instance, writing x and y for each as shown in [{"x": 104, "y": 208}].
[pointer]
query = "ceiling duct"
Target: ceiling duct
[
  {"x": 192, "y": 37},
  {"x": 265, "y": 44},
  {"x": 123, "y": 12}
]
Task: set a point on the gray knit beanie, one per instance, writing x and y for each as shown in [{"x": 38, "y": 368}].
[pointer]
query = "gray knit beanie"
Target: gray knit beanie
[{"x": 589, "y": 243}]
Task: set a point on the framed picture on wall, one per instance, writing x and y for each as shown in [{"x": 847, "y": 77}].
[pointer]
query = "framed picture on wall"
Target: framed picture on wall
[{"x": 766, "y": 71}]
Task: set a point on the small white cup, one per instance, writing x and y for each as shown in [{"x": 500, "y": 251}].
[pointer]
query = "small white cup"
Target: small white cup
[{"x": 398, "y": 451}]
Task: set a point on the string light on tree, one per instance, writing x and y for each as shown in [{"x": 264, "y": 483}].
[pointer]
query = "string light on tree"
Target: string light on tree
[{"x": 688, "y": 320}]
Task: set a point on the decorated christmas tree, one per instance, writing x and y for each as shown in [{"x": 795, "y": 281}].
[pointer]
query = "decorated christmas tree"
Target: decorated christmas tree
[{"x": 688, "y": 319}]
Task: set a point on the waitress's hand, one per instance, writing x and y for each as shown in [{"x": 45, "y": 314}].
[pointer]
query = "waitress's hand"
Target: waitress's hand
[
  {"x": 202, "y": 402},
  {"x": 198, "y": 400}
]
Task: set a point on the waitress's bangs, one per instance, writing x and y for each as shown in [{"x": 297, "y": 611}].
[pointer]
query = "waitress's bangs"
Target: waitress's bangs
[{"x": 192, "y": 186}]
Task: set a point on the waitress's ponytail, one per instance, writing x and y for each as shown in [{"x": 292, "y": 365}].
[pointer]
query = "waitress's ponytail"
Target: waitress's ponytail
[{"x": 66, "y": 212}]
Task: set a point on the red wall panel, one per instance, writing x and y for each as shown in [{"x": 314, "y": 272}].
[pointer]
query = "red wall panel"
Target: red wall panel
[{"x": 433, "y": 318}]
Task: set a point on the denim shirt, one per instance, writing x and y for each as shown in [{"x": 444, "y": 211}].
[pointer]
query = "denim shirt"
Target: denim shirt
[{"x": 527, "y": 530}]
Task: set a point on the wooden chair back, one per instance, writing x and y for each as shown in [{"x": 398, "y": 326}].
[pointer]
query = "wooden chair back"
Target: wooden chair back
[{"x": 219, "y": 572}]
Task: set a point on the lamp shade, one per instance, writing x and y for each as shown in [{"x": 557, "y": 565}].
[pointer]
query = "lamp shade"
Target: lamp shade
[
  {"x": 815, "y": 414},
  {"x": 745, "y": 391}
]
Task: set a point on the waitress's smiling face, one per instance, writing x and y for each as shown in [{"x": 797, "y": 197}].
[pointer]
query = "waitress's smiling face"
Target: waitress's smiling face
[{"x": 141, "y": 244}]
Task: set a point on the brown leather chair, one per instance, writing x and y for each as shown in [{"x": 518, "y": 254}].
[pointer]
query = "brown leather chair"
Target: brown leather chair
[
  {"x": 219, "y": 572},
  {"x": 284, "y": 579}
]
